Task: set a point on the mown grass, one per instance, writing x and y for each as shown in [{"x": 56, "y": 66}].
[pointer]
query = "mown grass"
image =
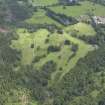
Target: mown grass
[
  {"x": 82, "y": 51},
  {"x": 81, "y": 29},
  {"x": 86, "y": 7},
  {"x": 40, "y": 17},
  {"x": 26, "y": 40},
  {"x": 77, "y": 10},
  {"x": 38, "y": 38}
]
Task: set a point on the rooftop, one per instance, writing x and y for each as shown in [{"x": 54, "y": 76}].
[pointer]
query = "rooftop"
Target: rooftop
[{"x": 99, "y": 19}]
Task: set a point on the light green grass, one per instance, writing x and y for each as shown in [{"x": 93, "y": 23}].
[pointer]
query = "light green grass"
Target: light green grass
[
  {"x": 81, "y": 29},
  {"x": 40, "y": 17},
  {"x": 38, "y": 39},
  {"x": 64, "y": 53},
  {"x": 86, "y": 7},
  {"x": 78, "y": 10},
  {"x": 82, "y": 51},
  {"x": 24, "y": 44}
]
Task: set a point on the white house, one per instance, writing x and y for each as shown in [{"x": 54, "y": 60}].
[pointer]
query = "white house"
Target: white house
[{"x": 99, "y": 19}]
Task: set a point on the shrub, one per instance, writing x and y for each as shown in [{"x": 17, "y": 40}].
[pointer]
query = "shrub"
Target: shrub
[
  {"x": 67, "y": 42},
  {"x": 52, "y": 48}
]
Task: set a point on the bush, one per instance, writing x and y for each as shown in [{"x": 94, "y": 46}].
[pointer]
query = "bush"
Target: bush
[
  {"x": 74, "y": 47},
  {"x": 67, "y": 42},
  {"x": 53, "y": 48}
]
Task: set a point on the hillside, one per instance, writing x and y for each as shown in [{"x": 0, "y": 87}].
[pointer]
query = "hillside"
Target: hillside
[{"x": 52, "y": 52}]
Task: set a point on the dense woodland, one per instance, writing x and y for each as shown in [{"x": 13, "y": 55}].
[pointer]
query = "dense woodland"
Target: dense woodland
[{"x": 76, "y": 88}]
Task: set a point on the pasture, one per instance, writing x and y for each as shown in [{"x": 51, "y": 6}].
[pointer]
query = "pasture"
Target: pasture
[
  {"x": 85, "y": 7},
  {"x": 81, "y": 29}
]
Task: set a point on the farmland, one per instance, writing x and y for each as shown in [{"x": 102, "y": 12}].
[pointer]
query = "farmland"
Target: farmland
[
  {"x": 83, "y": 8},
  {"x": 81, "y": 29}
]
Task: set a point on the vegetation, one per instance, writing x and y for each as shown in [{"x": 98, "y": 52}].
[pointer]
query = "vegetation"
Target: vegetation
[
  {"x": 77, "y": 10},
  {"x": 81, "y": 29},
  {"x": 44, "y": 61}
]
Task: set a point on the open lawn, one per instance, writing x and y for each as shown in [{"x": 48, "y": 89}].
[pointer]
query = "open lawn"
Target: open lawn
[
  {"x": 83, "y": 8},
  {"x": 37, "y": 39},
  {"x": 81, "y": 29},
  {"x": 40, "y": 17},
  {"x": 82, "y": 51},
  {"x": 26, "y": 40}
]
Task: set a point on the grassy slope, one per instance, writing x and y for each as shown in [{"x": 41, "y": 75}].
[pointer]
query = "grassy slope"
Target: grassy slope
[
  {"x": 24, "y": 44},
  {"x": 82, "y": 51},
  {"x": 40, "y": 17},
  {"x": 81, "y": 29},
  {"x": 84, "y": 8},
  {"x": 38, "y": 39}
]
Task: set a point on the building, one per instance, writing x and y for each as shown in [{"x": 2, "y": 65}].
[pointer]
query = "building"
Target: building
[{"x": 99, "y": 20}]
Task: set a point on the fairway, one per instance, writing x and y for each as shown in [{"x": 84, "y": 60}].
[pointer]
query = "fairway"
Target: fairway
[
  {"x": 80, "y": 54},
  {"x": 78, "y": 10},
  {"x": 81, "y": 29},
  {"x": 40, "y": 17},
  {"x": 61, "y": 58},
  {"x": 52, "y": 52},
  {"x": 26, "y": 40}
]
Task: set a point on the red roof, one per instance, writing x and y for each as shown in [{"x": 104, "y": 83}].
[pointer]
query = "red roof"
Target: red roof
[{"x": 3, "y": 30}]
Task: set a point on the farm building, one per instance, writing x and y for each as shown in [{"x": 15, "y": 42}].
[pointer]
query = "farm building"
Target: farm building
[{"x": 99, "y": 20}]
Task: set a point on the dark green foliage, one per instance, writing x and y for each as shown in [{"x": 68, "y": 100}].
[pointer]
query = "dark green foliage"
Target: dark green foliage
[
  {"x": 67, "y": 42},
  {"x": 38, "y": 58},
  {"x": 32, "y": 45},
  {"x": 102, "y": 2},
  {"x": 61, "y": 18},
  {"x": 74, "y": 47},
  {"x": 52, "y": 48},
  {"x": 80, "y": 81},
  {"x": 12, "y": 10},
  {"x": 47, "y": 41},
  {"x": 83, "y": 85}
]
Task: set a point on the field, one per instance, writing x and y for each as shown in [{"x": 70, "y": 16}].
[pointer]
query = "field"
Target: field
[
  {"x": 81, "y": 29},
  {"x": 35, "y": 45},
  {"x": 38, "y": 39},
  {"x": 83, "y": 8},
  {"x": 52, "y": 53},
  {"x": 40, "y": 17},
  {"x": 64, "y": 58}
]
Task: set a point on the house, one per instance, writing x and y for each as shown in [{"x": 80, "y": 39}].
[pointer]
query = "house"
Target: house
[{"x": 99, "y": 20}]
